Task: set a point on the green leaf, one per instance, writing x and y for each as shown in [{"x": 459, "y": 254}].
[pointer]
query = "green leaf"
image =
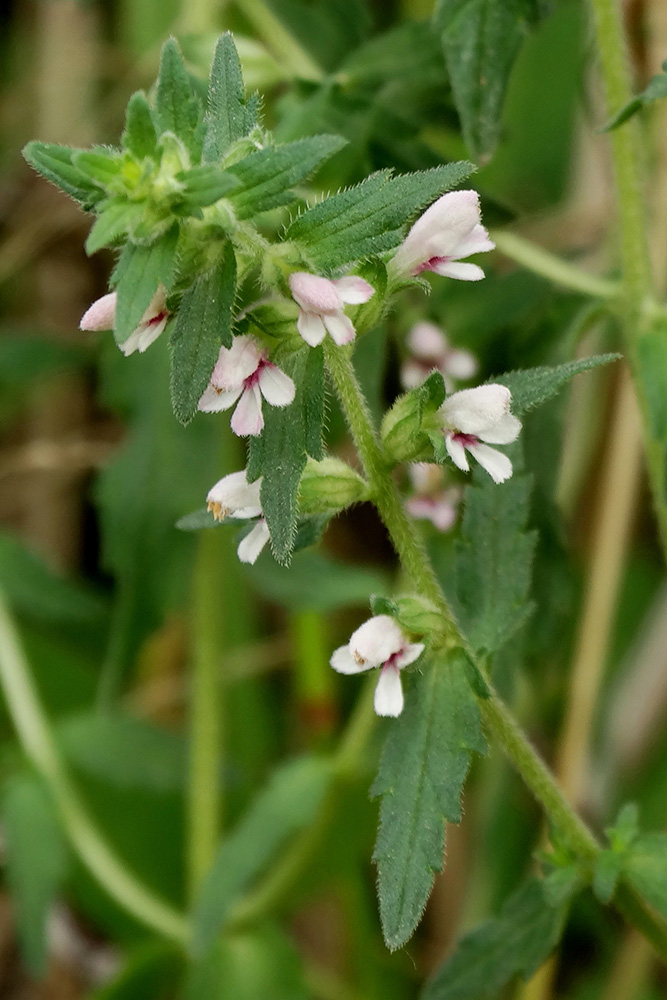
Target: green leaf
[
  {"x": 124, "y": 751},
  {"x": 138, "y": 273},
  {"x": 645, "y": 868},
  {"x": 371, "y": 217},
  {"x": 656, "y": 89},
  {"x": 36, "y": 863},
  {"x": 176, "y": 108},
  {"x": 103, "y": 168},
  {"x": 228, "y": 116},
  {"x": 314, "y": 582},
  {"x": 423, "y": 769},
  {"x": 55, "y": 163},
  {"x": 117, "y": 217},
  {"x": 515, "y": 942},
  {"x": 207, "y": 184},
  {"x": 608, "y": 867},
  {"x": 286, "y": 806},
  {"x": 203, "y": 326},
  {"x": 494, "y": 561},
  {"x": 267, "y": 175},
  {"x": 279, "y": 454},
  {"x": 139, "y": 134},
  {"x": 534, "y": 386},
  {"x": 481, "y": 39}
]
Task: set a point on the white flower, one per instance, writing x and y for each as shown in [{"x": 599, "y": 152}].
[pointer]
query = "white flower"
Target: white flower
[
  {"x": 321, "y": 302},
  {"x": 244, "y": 371},
  {"x": 101, "y": 315},
  {"x": 431, "y": 501},
  {"x": 479, "y": 415},
  {"x": 379, "y": 642},
  {"x": 430, "y": 350},
  {"x": 233, "y": 496},
  {"x": 447, "y": 231}
]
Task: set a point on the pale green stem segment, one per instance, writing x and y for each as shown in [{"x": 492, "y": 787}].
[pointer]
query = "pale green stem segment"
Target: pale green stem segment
[
  {"x": 552, "y": 267},
  {"x": 496, "y": 715},
  {"x": 639, "y": 312},
  {"x": 205, "y": 784},
  {"x": 39, "y": 746}
]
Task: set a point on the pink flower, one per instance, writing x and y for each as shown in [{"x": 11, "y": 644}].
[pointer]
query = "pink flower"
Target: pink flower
[
  {"x": 233, "y": 496},
  {"x": 473, "y": 416},
  {"x": 430, "y": 350},
  {"x": 102, "y": 316},
  {"x": 321, "y": 302},
  {"x": 431, "y": 501},
  {"x": 243, "y": 372},
  {"x": 379, "y": 642},
  {"x": 447, "y": 231}
]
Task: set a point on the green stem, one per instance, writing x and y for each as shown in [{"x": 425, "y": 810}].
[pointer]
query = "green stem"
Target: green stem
[
  {"x": 548, "y": 265},
  {"x": 639, "y": 312},
  {"x": 205, "y": 785},
  {"x": 497, "y": 716},
  {"x": 39, "y": 746}
]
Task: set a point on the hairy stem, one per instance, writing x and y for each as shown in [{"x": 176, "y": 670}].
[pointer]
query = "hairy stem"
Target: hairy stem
[
  {"x": 496, "y": 715},
  {"x": 39, "y": 746}
]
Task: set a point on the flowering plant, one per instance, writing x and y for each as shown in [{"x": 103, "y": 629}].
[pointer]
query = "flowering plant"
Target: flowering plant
[{"x": 252, "y": 290}]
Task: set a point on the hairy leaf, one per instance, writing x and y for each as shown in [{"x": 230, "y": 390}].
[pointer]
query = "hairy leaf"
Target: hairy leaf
[
  {"x": 494, "y": 561},
  {"x": 534, "y": 386},
  {"x": 176, "y": 107},
  {"x": 371, "y": 217},
  {"x": 206, "y": 184},
  {"x": 655, "y": 91},
  {"x": 424, "y": 765},
  {"x": 515, "y": 942},
  {"x": 138, "y": 273},
  {"x": 228, "y": 116},
  {"x": 36, "y": 863},
  {"x": 139, "y": 134},
  {"x": 267, "y": 175},
  {"x": 55, "y": 163},
  {"x": 117, "y": 217},
  {"x": 203, "y": 326},
  {"x": 287, "y": 805},
  {"x": 279, "y": 454}
]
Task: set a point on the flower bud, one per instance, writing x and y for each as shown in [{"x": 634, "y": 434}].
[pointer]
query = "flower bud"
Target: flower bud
[
  {"x": 329, "y": 486},
  {"x": 419, "y": 616},
  {"x": 402, "y": 437}
]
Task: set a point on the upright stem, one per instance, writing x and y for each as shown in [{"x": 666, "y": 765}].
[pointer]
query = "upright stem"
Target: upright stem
[
  {"x": 496, "y": 715},
  {"x": 205, "y": 785}
]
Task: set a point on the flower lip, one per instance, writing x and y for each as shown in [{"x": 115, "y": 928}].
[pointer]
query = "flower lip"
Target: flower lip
[{"x": 314, "y": 293}]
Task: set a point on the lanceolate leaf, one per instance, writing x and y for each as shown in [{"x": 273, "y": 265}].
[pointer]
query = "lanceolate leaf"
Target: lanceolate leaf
[
  {"x": 371, "y": 217},
  {"x": 267, "y": 175},
  {"x": 279, "y": 455},
  {"x": 203, "y": 326},
  {"x": 515, "y": 942},
  {"x": 494, "y": 561},
  {"x": 534, "y": 386},
  {"x": 175, "y": 105},
  {"x": 287, "y": 805},
  {"x": 138, "y": 273},
  {"x": 139, "y": 135},
  {"x": 228, "y": 116},
  {"x": 36, "y": 863},
  {"x": 481, "y": 39},
  {"x": 424, "y": 766},
  {"x": 204, "y": 185},
  {"x": 55, "y": 163}
]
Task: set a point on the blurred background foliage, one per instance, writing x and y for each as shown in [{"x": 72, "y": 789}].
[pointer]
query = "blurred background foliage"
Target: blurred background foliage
[{"x": 95, "y": 471}]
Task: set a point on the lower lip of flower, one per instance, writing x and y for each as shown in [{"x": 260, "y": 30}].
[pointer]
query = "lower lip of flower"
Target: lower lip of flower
[
  {"x": 465, "y": 439},
  {"x": 430, "y": 264},
  {"x": 393, "y": 660}
]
